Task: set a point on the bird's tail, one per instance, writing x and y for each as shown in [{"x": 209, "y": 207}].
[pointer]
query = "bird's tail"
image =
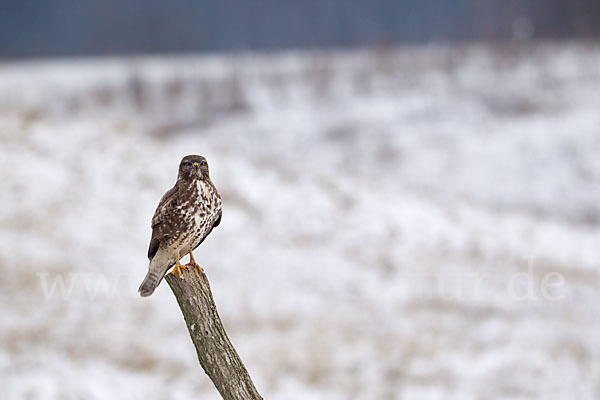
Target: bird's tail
[{"x": 151, "y": 281}]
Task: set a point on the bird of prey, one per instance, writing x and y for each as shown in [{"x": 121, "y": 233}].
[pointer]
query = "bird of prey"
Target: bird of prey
[{"x": 184, "y": 217}]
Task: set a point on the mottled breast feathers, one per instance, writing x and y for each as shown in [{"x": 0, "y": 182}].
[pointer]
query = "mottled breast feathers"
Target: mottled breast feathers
[{"x": 177, "y": 212}]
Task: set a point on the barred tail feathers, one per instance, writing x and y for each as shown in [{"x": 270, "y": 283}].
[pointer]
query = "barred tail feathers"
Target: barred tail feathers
[{"x": 152, "y": 280}]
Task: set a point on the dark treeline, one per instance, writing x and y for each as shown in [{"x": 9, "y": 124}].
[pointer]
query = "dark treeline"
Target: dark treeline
[{"x": 49, "y": 28}]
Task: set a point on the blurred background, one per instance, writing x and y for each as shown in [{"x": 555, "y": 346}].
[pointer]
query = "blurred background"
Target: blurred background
[{"x": 411, "y": 195}]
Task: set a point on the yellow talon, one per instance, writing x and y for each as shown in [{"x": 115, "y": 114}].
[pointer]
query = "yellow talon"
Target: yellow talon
[
  {"x": 192, "y": 260},
  {"x": 178, "y": 267},
  {"x": 193, "y": 263}
]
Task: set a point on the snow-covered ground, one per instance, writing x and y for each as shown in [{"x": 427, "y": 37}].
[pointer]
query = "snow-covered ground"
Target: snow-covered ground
[{"x": 417, "y": 223}]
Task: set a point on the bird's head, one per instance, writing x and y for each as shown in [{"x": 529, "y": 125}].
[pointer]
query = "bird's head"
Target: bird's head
[{"x": 193, "y": 167}]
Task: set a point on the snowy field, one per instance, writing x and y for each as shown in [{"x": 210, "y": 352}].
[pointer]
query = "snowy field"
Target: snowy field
[{"x": 417, "y": 223}]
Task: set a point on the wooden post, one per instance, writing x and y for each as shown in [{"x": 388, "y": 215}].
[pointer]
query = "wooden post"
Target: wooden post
[{"x": 216, "y": 354}]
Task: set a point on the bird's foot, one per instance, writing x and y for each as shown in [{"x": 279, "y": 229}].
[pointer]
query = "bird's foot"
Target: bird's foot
[
  {"x": 177, "y": 268},
  {"x": 192, "y": 264}
]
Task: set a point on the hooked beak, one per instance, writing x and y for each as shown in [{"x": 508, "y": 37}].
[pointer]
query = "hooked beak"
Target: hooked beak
[{"x": 196, "y": 166}]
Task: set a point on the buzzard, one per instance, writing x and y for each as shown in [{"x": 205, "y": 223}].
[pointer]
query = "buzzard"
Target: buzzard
[{"x": 184, "y": 217}]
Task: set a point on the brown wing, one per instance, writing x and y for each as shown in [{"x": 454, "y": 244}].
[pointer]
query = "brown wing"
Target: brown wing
[
  {"x": 218, "y": 220},
  {"x": 153, "y": 248},
  {"x": 164, "y": 221}
]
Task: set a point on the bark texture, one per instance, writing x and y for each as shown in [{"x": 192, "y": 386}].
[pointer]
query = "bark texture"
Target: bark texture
[{"x": 216, "y": 354}]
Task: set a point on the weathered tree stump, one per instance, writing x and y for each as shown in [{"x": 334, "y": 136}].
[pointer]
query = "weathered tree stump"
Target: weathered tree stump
[{"x": 216, "y": 354}]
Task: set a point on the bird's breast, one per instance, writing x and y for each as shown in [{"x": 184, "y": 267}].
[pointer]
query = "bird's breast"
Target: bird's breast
[{"x": 205, "y": 203}]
